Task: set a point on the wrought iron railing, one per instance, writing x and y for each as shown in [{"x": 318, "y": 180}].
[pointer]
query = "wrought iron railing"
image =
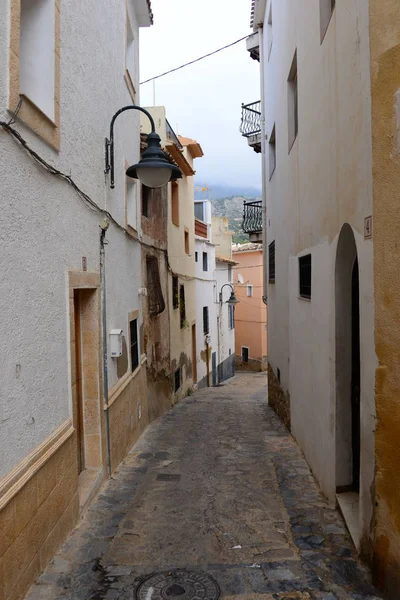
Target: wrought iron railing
[
  {"x": 252, "y": 217},
  {"x": 251, "y": 119}
]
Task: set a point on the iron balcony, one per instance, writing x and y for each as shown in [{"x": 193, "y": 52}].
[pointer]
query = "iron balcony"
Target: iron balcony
[
  {"x": 252, "y": 220},
  {"x": 250, "y": 126}
]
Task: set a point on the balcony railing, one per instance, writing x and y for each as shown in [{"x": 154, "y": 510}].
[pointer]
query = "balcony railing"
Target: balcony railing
[
  {"x": 251, "y": 119},
  {"x": 252, "y": 217}
]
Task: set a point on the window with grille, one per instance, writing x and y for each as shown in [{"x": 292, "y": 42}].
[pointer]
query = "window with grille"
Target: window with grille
[
  {"x": 155, "y": 298},
  {"x": 134, "y": 344},
  {"x": 146, "y": 201},
  {"x": 206, "y": 324},
  {"x": 177, "y": 379},
  {"x": 205, "y": 261},
  {"x": 293, "y": 106},
  {"x": 182, "y": 306},
  {"x": 231, "y": 314},
  {"x": 175, "y": 292},
  {"x": 271, "y": 262},
  {"x": 305, "y": 276}
]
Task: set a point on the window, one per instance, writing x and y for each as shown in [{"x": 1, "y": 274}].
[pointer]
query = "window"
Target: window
[
  {"x": 229, "y": 273},
  {"x": 175, "y": 202},
  {"x": 206, "y": 324},
  {"x": 199, "y": 211},
  {"x": 293, "y": 109},
  {"x": 326, "y": 8},
  {"x": 134, "y": 344},
  {"x": 205, "y": 261},
  {"x": 272, "y": 152},
  {"x": 155, "y": 298},
  {"x": 37, "y": 54},
  {"x": 271, "y": 262},
  {"x": 196, "y": 257},
  {"x": 245, "y": 354},
  {"x": 187, "y": 247},
  {"x": 131, "y": 202},
  {"x": 278, "y": 373},
  {"x": 130, "y": 58},
  {"x": 249, "y": 290},
  {"x": 175, "y": 292},
  {"x": 146, "y": 201},
  {"x": 177, "y": 379},
  {"x": 269, "y": 31},
  {"x": 305, "y": 276},
  {"x": 182, "y": 306},
  {"x": 231, "y": 315}
]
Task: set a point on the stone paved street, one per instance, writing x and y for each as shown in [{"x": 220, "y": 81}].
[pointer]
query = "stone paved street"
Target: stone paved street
[{"x": 215, "y": 485}]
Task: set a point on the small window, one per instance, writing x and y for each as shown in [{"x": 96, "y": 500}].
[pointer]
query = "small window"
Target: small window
[
  {"x": 187, "y": 246},
  {"x": 37, "y": 54},
  {"x": 249, "y": 290},
  {"x": 278, "y": 373},
  {"x": 155, "y": 298},
  {"x": 130, "y": 59},
  {"x": 293, "y": 108},
  {"x": 134, "y": 344},
  {"x": 146, "y": 201},
  {"x": 229, "y": 273},
  {"x": 326, "y": 8},
  {"x": 231, "y": 314},
  {"x": 175, "y": 291},
  {"x": 272, "y": 152},
  {"x": 305, "y": 276},
  {"x": 269, "y": 31},
  {"x": 175, "y": 202},
  {"x": 205, "y": 261},
  {"x": 206, "y": 324},
  {"x": 271, "y": 262},
  {"x": 131, "y": 202},
  {"x": 177, "y": 379},
  {"x": 199, "y": 211},
  {"x": 182, "y": 306},
  {"x": 196, "y": 257},
  {"x": 245, "y": 354}
]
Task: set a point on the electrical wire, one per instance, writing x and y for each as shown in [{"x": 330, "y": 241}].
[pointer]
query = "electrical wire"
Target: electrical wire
[{"x": 194, "y": 61}]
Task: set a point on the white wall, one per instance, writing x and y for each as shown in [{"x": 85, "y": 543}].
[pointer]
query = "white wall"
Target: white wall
[
  {"x": 205, "y": 296},
  {"x": 324, "y": 182},
  {"x": 226, "y": 335},
  {"x": 46, "y": 229}
]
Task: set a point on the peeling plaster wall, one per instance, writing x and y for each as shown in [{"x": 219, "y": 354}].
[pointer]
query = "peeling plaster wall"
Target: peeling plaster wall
[
  {"x": 46, "y": 229},
  {"x": 385, "y": 73},
  {"x": 321, "y": 183}
]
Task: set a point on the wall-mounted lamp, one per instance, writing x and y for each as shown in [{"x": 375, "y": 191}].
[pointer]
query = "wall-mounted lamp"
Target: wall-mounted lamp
[
  {"x": 154, "y": 169},
  {"x": 232, "y": 299}
]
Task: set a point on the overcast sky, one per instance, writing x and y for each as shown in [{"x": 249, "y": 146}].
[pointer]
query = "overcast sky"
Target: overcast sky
[{"x": 203, "y": 101}]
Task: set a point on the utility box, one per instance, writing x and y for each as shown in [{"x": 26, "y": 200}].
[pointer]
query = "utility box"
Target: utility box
[{"x": 116, "y": 342}]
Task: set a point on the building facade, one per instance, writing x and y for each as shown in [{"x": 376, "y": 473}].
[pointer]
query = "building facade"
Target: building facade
[
  {"x": 330, "y": 75},
  {"x": 63, "y": 427},
  {"x": 251, "y": 312}
]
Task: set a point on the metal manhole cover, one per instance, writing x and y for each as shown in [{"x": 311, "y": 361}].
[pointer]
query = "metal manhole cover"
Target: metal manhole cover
[{"x": 184, "y": 585}]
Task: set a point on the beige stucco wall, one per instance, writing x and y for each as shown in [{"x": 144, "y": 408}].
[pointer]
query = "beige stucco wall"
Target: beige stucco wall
[
  {"x": 385, "y": 72},
  {"x": 324, "y": 182}
]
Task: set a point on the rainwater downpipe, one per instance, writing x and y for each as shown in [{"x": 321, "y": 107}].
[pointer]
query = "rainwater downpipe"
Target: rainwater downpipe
[
  {"x": 103, "y": 242},
  {"x": 263, "y": 166}
]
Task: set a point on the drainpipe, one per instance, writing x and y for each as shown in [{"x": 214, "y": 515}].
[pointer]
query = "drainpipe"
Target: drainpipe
[
  {"x": 263, "y": 167},
  {"x": 103, "y": 242}
]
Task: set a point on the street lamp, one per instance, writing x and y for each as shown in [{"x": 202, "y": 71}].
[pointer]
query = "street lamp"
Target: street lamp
[
  {"x": 154, "y": 169},
  {"x": 232, "y": 299}
]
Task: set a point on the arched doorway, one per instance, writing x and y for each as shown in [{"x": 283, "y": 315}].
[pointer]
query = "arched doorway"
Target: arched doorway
[{"x": 348, "y": 381}]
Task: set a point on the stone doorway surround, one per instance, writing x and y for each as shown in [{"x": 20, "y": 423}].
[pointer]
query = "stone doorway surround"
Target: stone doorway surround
[{"x": 86, "y": 286}]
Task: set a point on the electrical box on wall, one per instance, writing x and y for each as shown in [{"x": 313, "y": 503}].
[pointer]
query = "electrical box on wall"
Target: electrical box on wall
[{"x": 116, "y": 342}]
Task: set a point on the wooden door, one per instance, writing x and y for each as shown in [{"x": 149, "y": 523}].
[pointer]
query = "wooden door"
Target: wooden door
[{"x": 79, "y": 389}]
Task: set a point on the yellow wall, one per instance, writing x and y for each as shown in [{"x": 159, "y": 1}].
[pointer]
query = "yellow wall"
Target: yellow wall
[{"x": 385, "y": 74}]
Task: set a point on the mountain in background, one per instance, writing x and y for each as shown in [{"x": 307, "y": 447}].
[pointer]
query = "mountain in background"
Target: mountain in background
[{"x": 227, "y": 201}]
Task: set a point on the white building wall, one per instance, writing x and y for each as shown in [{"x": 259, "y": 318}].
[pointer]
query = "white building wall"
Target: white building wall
[
  {"x": 226, "y": 335},
  {"x": 321, "y": 184},
  {"x": 46, "y": 228},
  {"x": 205, "y": 296}
]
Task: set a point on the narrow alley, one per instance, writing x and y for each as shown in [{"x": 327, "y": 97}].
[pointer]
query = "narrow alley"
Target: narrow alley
[{"x": 216, "y": 488}]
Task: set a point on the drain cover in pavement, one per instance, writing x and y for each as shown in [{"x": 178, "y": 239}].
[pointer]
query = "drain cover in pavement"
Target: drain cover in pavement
[{"x": 183, "y": 585}]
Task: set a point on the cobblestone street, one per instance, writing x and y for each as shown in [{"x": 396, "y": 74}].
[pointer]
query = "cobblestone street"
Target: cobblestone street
[{"x": 217, "y": 485}]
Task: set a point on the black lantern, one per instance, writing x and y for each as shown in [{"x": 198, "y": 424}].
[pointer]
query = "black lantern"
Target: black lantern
[{"x": 232, "y": 299}]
